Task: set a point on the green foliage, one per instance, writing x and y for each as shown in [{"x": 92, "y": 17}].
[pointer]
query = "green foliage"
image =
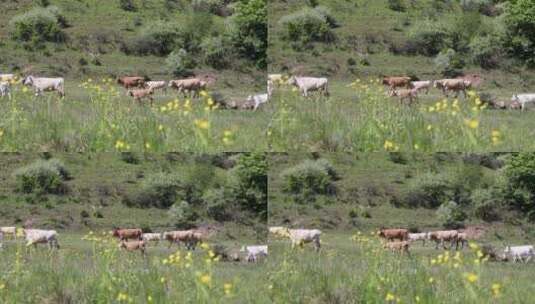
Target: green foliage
[
  {"x": 486, "y": 204},
  {"x": 486, "y": 51},
  {"x": 427, "y": 38},
  {"x": 520, "y": 171},
  {"x": 397, "y": 5},
  {"x": 308, "y": 179},
  {"x": 520, "y": 23},
  {"x": 450, "y": 215},
  {"x": 42, "y": 176},
  {"x": 37, "y": 25},
  {"x": 249, "y": 30},
  {"x": 208, "y": 6},
  {"x": 305, "y": 26},
  {"x": 449, "y": 63},
  {"x": 218, "y": 51},
  {"x": 127, "y": 5},
  {"x": 218, "y": 203},
  {"x": 158, "y": 190},
  {"x": 182, "y": 214},
  {"x": 157, "y": 38},
  {"x": 428, "y": 190},
  {"x": 251, "y": 182},
  {"x": 180, "y": 63}
]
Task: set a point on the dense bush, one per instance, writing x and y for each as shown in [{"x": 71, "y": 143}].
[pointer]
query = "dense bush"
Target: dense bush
[
  {"x": 397, "y": 5},
  {"x": 180, "y": 63},
  {"x": 250, "y": 188},
  {"x": 209, "y": 6},
  {"x": 158, "y": 38},
  {"x": 486, "y": 204},
  {"x": 218, "y": 203},
  {"x": 427, "y": 190},
  {"x": 486, "y": 51},
  {"x": 158, "y": 190},
  {"x": 449, "y": 63},
  {"x": 249, "y": 30},
  {"x": 182, "y": 215},
  {"x": 38, "y": 25},
  {"x": 127, "y": 5},
  {"x": 427, "y": 38},
  {"x": 305, "y": 26},
  {"x": 308, "y": 179},
  {"x": 218, "y": 51},
  {"x": 42, "y": 176},
  {"x": 520, "y": 23},
  {"x": 450, "y": 215}
]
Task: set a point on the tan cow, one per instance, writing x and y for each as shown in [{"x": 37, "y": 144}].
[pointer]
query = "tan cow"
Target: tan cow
[
  {"x": 9, "y": 231},
  {"x": 126, "y": 234},
  {"x": 133, "y": 245},
  {"x": 399, "y": 246},
  {"x": 140, "y": 94},
  {"x": 440, "y": 237},
  {"x": 397, "y": 82},
  {"x": 188, "y": 86},
  {"x": 131, "y": 82},
  {"x": 394, "y": 234},
  {"x": 403, "y": 94},
  {"x": 455, "y": 85},
  {"x": 190, "y": 238}
]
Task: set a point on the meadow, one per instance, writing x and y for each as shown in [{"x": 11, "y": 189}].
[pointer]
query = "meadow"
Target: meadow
[{"x": 90, "y": 268}]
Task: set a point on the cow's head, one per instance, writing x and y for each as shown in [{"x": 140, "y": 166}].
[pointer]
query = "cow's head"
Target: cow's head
[
  {"x": 292, "y": 80},
  {"x": 515, "y": 97},
  {"x": 28, "y": 80},
  {"x": 115, "y": 232}
]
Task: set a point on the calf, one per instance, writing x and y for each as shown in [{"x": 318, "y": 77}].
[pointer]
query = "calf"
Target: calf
[
  {"x": 133, "y": 245},
  {"x": 410, "y": 94},
  {"x": 399, "y": 246},
  {"x": 254, "y": 252},
  {"x": 140, "y": 94},
  {"x": 257, "y": 100}
]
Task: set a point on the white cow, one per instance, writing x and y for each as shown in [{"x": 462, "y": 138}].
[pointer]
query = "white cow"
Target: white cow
[
  {"x": 152, "y": 237},
  {"x": 421, "y": 85},
  {"x": 253, "y": 252},
  {"x": 5, "y": 89},
  {"x": 423, "y": 236},
  {"x": 154, "y": 85},
  {"x": 524, "y": 100},
  {"x": 519, "y": 253},
  {"x": 299, "y": 237},
  {"x": 41, "y": 84},
  {"x": 308, "y": 84},
  {"x": 257, "y": 100},
  {"x": 9, "y": 230},
  {"x": 39, "y": 236}
]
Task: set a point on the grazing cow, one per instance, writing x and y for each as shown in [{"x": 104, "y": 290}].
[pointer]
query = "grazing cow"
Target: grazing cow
[
  {"x": 421, "y": 85},
  {"x": 257, "y": 100},
  {"x": 129, "y": 82},
  {"x": 39, "y": 236},
  {"x": 410, "y": 94},
  {"x": 41, "y": 84},
  {"x": 397, "y": 82},
  {"x": 190, "y": 238},
  {"x": 440, "y": 237},
  {"x": 140, "y": 94},
  {"x": 277, "y": 79},
  {"x": 152, "y": 237},
  {"x": 7, "y": 77},
  {"x": 456, "y": 85},
  {"x": 308, "y": 84},
  {"x": 524, "y": 100},
  {"x": 155, "y": 85},
  {"x": 423, "y": 236},
  {"x": 187, "y": 86},
  {"x": 519, "y": 253},
  {"x": 515, "y": 105},
  {"x": 394, "y": 234},
  {"x": 5, "y": 89},
  {"x": 254, "y": 252},
  {"x": 399, "y": 246},
  {"x": 127, "y": 234},
  {"x": 133, "y": 245},
  {"x": 299, "y": 237},
  {"x": 279, "y": 231},
  {"x": 9, "y": 231}
]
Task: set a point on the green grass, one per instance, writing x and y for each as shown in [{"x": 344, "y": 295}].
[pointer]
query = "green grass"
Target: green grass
[{"x": 97, "y": 271}]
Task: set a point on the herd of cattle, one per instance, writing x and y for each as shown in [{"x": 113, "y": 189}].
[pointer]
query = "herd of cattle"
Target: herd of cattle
[
  {"x": 400, "y": 240},
  {"x": 405, "y": 88},
  {"x": 133, "y": 239}
]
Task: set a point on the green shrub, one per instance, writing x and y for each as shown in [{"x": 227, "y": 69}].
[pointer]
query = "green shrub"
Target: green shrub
[
  {"x": 486, "y": 51},
  {"x": 208, "y": 6},
  {"x": 179, "y": 63},
  {"x": 397, "y": 5},
  {"x": 37, "y": 25},
  {"x": 308, "y": 179},
  {"x": 486, "y": 204},
  {"x": 159, "y": 190},
  {"x": 158, "y": 38},
  {"x": 305, "y": 26},
  {"x": 449, "y": 63},
  {"x": 218, "y": 203},
  {"x": 450, "y": 215},
  {"x": 130, "y": 158},
  {"x": 249, "y": 30},
  {"x": 250, "y": 185},
  {"x": 182, "y": 215},
  {"x": 520, "y": 24},
  {"x": 42, "y": 176},
  {"x": 427, "y": 190},
  {"x": 127, "y": 5},
  {"x": 426, "y": 38},
  {"x": 217, "y": 51}
]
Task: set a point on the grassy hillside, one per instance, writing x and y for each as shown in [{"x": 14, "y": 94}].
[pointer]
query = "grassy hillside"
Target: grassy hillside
[
  {"x": 108, "y": 190},
  {"x": 365, "y": 40}
]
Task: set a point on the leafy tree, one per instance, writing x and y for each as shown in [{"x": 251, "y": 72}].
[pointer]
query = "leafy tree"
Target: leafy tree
[
  {"x": 450, "y": 215},
  {"x": 182, "y": 214},
  {"x": 520, "y": 23},
  {"x": 251, "y": 186},
  {"x": 250, "y": 30}
]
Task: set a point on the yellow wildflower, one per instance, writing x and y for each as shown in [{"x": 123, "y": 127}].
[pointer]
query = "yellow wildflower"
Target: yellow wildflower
[
  {"x": 472, "y": 123},
  {"x": 202, "y": 123},
  {"x": 496, "y": 289},
  {"x": 206, "y": 279},
  {"x": 160, "y": 128},
  {"x": 390, "y": 297},
  {"x": 471, "y": 277},
  {"x": 227, "y": 287},
  {"x": 147, "y": 145}
]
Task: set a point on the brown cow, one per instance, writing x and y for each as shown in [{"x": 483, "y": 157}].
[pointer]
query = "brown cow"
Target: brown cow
[
  {"x": 131, "y": 82},
  {"x": 133, "y": 245},
  {"x": 410, "y": 94},
  {"x": 126, "y": 234},
  {"x": 456, "y": 85},
  {"x": 139, "y": 94},
  {"x": 187, "y": 86},
  {"x": 396, "y": 82},
  {"x": 515, "y": 105},
  {"x": 393, "y": 234},
  {"x": 440, "y": 237},
  {"x": 190, "y": 238},
  {"x": 401, "y": 246}
]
